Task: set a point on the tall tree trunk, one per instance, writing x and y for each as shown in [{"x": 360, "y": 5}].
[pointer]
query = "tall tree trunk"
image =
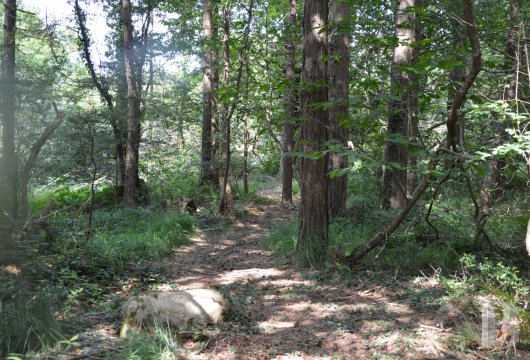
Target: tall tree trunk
[
  {"x": 493, "y": 183},
  {"x": 117, "y": 129},
  {"x": 133, "y": 123},
  {"x": 226, "y": 205},
  {"x": 246, "y": 133},
  {"x": 395, "y": 170},
  {"x": 339, "y": 76},
  {"x": 290, "y": 103},
  {"x": 215, "y": 110},
  {"x": 9, "y": 186},
  {"x": 314, "y": 220},
  {"x": 207, "y": 153}
]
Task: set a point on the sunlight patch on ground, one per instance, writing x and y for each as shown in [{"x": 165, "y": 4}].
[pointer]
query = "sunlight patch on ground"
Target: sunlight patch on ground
[
  {"x": 239, "y": 275},
  {"x": 11, "y": 270},
  {"x": 268, "y": 326},
  {"x": 288, "y": 284}
]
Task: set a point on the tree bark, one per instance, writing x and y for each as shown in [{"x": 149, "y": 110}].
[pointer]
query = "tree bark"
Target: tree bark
[
  {"x": 226, "y": 205},
  {"x": 133, "y": 123},
  {"x": 207, "y": 153},
  {"x": 395, "y": 170},
  {"x": 314, "y": 220},
  {"x": 9, "y": 189},
  {"x": 339, "y": 77},
  {"x": 290, "y": 103},
  {"x": 527, "y": 239}
]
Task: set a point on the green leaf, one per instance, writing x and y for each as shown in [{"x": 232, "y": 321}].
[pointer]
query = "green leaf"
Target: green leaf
[
  {"x": 395, "y": 165},
  {"x": 316, "y": 155}
]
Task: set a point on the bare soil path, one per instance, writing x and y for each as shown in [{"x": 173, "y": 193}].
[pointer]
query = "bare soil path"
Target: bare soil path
[{"x": 281, "y": 312}]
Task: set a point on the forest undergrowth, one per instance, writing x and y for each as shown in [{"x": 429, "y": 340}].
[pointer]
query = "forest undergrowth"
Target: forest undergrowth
[{"x": 415, "y": 290}]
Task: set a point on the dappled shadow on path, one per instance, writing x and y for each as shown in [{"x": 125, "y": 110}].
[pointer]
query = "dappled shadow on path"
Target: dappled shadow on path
[{"x": 282, "y": 312}]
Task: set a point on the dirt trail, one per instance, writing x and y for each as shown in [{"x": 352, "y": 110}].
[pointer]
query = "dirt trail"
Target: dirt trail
[{"x": 285, "y": 313}]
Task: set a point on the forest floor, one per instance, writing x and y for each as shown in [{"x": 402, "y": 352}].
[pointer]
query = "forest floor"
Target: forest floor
[
  {"x": 282, "y": 312},
  {"x": 295, "y": 314}
]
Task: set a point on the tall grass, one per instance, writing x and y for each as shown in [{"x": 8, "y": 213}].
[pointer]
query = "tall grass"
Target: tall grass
[
  {"x": 126, "y": 236},
  {"x": 27, "y": 323},
  {"x": 161, "y": 344}
]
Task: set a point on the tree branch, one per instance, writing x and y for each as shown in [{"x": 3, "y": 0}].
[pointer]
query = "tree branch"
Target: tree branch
[{"x": 449, "y": 143}]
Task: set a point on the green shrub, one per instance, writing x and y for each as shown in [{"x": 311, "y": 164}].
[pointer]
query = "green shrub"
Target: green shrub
[
  {"x": 67, "y": 194},
  {"x": 270, "y": 165},
  {"x": 499, "y": 275}
]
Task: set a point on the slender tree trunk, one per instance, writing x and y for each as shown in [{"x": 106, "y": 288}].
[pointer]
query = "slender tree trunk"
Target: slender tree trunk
[
  {"x": 208, "y": 119},
  {"x": 395, "y": 172},
  {"x": 92, "y": 132},
  {"x": 314, "y": 220},
  {"x": 133, "y": 124},
  {"x": 119, "y": 139},
  {"x": 493, "y": 183},
  {"x": 144, "y": 50},
  {"x": 226, "y": 206},
  {"x": 290, "y": 103},
  {"x": 339, "y": 76},
  {"x": 9, "y": 186},
  {"x": 246, "y": 134},
  {"x": 121, "y": 118},
  {"x": 215, "y": 112},
  {"x": 413, "y": 92}
]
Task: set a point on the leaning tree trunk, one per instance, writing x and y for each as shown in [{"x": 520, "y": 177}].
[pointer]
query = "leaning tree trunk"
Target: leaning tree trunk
[
  {"x": 339, "y": 76},
  {"x": 207, "y": 153},
  {"x": 290, "y": 103},
  {"x": 133, "y": 123},
  {"x": 448, "y": 146},
  {"x": 8, "y": 181},
  {"x": 106, "y": 97},
  {"x": 395, "y": 170},
  {"x": 31, "y": 161},
  {"x": 314, "y": 220}
]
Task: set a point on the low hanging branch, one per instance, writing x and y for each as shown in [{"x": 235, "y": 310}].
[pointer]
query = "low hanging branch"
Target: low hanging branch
[{"x": 449, "y": 143}]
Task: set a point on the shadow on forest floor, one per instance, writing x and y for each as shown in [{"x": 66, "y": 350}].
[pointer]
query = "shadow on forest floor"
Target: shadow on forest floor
[{"x": 281, "y": 312}]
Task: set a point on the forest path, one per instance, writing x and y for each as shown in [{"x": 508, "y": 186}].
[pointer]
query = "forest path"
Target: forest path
[{"x": 288, "y": 313}]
